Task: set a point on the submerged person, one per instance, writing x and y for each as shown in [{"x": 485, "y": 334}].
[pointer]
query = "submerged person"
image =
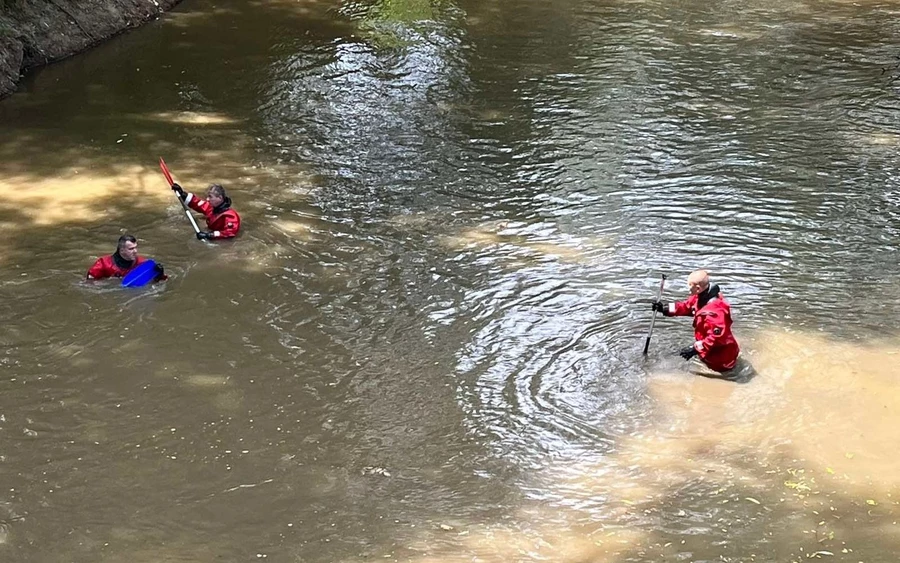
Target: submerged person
[
  {"x": 221, "y": 220},
  {"x": 120, "y": 262},
  {"x": 715, "y": 350}
]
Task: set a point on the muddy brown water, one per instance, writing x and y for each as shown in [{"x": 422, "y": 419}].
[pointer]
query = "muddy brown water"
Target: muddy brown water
[{"x": 426, "y": 344}]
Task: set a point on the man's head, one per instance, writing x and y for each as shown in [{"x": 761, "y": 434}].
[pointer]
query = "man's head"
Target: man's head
[
  {"x": 127, "y": 247},
  {"x": 215, "y": 195},
  {"x": 698, "y": 281}
]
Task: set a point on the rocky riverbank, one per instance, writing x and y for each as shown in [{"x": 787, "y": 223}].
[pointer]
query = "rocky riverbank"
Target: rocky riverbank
[{"x": 37, "y": 32}]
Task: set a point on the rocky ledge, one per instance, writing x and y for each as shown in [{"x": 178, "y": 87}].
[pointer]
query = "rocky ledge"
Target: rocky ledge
[{"x": 37, "y": 32}]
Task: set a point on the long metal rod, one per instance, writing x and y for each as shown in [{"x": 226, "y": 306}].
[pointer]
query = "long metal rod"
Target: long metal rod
[{"x": 662, "y": 283}]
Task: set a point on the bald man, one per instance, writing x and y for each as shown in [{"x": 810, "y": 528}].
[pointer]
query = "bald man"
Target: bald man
[{"x": 714, "y": 344}]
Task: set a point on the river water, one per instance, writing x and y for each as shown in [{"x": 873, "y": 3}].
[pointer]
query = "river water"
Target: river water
[{"x": 426, "y": 344}]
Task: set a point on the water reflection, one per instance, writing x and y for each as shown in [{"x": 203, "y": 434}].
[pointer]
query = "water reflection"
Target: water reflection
[
  {"x": 356, "y": 106},
  {"x": 427, "y": 343}
]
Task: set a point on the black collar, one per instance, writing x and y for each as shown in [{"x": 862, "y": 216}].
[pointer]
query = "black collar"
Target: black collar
[
  {"x": 223, "y": 207},
  {"x": 121, "y": 262},
  {"x": 711, "y": 293}
]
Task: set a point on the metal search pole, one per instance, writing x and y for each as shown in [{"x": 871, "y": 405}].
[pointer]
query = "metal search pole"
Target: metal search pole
[{"x": 662, "y": 283}]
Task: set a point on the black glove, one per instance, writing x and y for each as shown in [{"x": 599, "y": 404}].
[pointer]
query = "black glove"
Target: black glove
[
  {"x": 160, "y": 272},
  {"x": 660, "y": 306},
  {"x": 203, "y": 235},
  {"x": 178, "y": 190},
  {"x": 688, "y": 353}
]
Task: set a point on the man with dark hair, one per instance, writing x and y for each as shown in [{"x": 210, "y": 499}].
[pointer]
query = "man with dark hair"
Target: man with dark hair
[
  {"x": 715, "y": 349},
  {"x": 120, "y": 262},
  {"x": 221, "y": 220}
]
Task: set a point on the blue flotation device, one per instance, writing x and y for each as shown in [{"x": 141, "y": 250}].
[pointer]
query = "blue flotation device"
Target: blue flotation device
[{"x": 143, "y": 274}]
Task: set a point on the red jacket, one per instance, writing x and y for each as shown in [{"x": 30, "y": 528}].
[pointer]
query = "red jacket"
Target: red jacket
[
  {"x": 714, "y": 340},
  {"x": 222, "y": 222},
  {"x": 106, "y": 267}
]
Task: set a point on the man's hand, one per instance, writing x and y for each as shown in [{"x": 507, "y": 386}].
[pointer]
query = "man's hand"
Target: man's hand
[
  {"x": 203, "y": 235},
  {"x": 160, "y": 272},
  {"x": 660, "y": 306},
  {"x": 178, "y": 190},
  {"x": 688, "y": 353}
]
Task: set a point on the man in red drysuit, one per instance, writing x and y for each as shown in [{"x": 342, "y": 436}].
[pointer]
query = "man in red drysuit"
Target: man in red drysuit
[
  {"x": 714, "y": 342},
  {"x": 221, "y": 220},
  {"x": 120, "y": 262}
]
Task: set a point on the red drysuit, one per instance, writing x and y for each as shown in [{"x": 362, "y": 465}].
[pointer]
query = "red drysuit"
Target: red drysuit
[
  {"x": 109, "y": 267},
  {"x": 222, "y": 221},
  {"x": 714, "y": 340}
]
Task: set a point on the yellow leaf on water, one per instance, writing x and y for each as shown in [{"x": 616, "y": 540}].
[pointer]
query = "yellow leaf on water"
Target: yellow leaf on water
[
  {"x": 829, "y": 470},
  {"x": 849, "y": 455},
  {"x": 796, "y": 486},
  {"x": 871, "y": 502}
]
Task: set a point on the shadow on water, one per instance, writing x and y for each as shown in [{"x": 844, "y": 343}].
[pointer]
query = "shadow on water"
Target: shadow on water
[{"x": 162, "y": 90}]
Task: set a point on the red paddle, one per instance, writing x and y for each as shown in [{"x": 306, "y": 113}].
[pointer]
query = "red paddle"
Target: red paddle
[{"x": 168, "y": 175}]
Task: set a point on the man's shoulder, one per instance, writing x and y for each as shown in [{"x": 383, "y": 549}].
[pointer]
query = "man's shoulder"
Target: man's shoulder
[
  {"x": 718, "y": 304},
  {"x": 101, "y": 267}
]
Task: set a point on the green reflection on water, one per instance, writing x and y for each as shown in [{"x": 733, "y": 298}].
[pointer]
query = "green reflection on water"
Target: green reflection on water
[{"x": 387, "y": 24}]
